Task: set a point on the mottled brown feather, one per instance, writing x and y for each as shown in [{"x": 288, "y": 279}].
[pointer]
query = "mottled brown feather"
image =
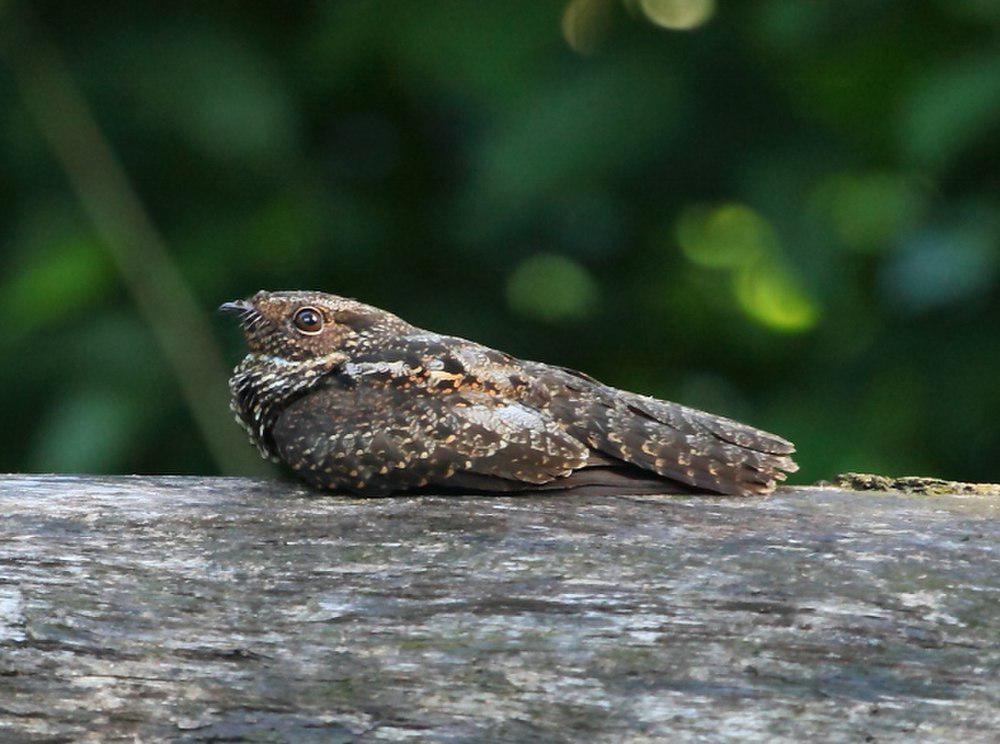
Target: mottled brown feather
[{"x": 375, "y": 405}]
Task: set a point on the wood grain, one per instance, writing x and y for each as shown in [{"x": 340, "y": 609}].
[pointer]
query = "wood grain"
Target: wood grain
[{"x": 207, "y": 609}]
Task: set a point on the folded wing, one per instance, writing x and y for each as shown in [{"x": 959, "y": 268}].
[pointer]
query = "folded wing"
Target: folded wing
[
  {"x": 683, "y": 444},
  {"x": 375, "y": 436}
]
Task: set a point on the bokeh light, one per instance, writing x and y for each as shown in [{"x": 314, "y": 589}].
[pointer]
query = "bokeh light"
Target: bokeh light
[
  {"x": 771, "y": 295},
  {"x": 865, "y": 210},
  {"x": 734, "y": 237},
  {"x": 585, "y": 23},
  {"x": 71, "y": 273},
  {"x": 678, "y": 15},
  {"x": 726, "y": 236},
  {"x": 552, "y": 288},
  {"x": 951, "y": 263}
]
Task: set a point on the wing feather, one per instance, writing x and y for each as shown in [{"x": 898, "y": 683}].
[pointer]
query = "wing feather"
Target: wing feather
[
  {"x": 674, "y": 441},
  {"x": 376, "y": 436}
]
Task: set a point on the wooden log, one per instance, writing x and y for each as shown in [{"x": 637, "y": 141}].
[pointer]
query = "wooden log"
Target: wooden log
[{"x": 198, "y": 609}]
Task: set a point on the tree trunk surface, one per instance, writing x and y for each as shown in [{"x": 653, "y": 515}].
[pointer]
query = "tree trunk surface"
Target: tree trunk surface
[{"x": 223, "y": 609}]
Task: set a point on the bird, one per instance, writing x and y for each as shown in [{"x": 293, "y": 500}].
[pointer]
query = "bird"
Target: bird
[{"x": 356, "y": 400}]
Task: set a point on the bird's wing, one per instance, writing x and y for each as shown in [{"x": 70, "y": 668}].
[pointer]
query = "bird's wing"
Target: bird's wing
[
  {"x": 385, "y": 429},
  {"x": 677, "y": 442}
]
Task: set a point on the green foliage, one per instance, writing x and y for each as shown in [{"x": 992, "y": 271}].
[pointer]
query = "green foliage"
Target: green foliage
[{"x": 784, "y": 211}]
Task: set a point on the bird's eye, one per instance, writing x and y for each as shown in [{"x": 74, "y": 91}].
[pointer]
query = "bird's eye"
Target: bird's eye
[{"x": 308, "y": 320}]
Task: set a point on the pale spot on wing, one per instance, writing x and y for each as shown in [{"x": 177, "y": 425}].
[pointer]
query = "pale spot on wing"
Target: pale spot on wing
[{"x": 508, "y": 419}]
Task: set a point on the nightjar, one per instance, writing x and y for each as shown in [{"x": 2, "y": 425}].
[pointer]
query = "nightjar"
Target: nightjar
[{"x": 354, "y": 398}]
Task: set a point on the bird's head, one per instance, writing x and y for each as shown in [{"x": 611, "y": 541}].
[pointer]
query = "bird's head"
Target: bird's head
[{"x": 300, "y": 326}]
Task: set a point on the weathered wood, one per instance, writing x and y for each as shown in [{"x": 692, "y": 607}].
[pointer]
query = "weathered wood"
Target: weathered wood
[
  {"x": 911, "y": 484},
  {"x": 222, "y": 609}
]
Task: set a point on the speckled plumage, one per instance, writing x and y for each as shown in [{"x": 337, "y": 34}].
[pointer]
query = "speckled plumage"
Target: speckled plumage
[{"x": 365, "y": 402}]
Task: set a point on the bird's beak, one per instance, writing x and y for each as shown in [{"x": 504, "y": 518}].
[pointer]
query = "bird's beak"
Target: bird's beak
[{"x": 236, "y": 306}]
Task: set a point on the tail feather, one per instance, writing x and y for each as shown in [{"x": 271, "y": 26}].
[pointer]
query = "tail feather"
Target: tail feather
[
  {"x": 692, "y": 458},
  {"x": 685, "y": 418},
  {"x": 676, "y": 442}
]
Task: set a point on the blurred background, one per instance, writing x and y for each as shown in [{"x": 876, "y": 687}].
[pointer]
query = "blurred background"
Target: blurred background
[{"x": 787, "y": 212}]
